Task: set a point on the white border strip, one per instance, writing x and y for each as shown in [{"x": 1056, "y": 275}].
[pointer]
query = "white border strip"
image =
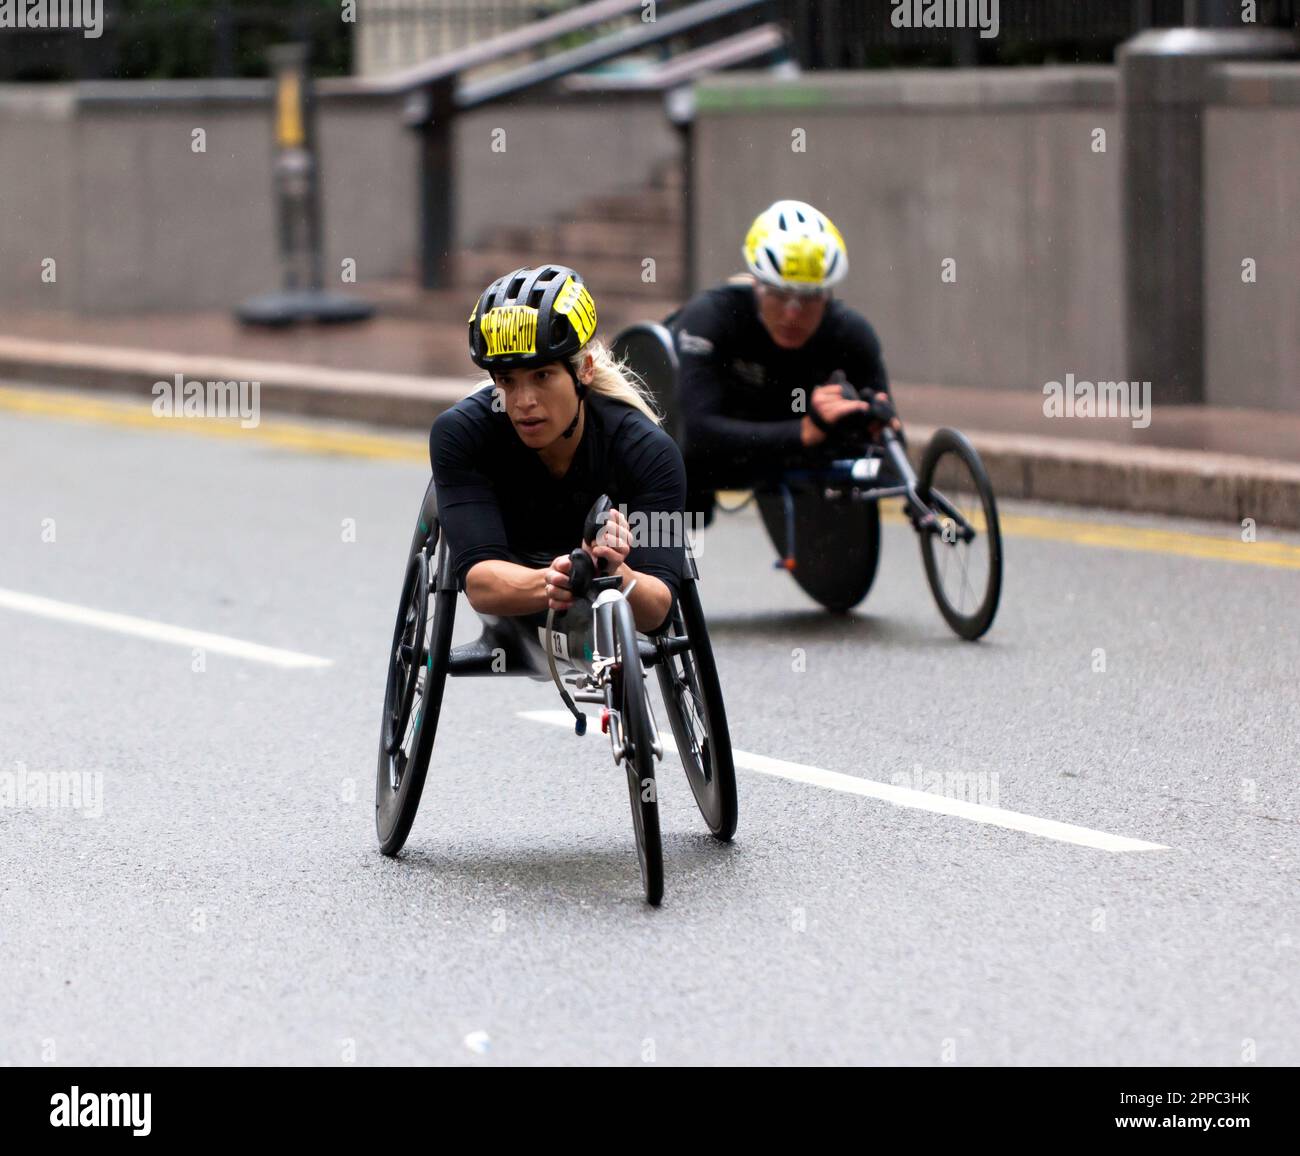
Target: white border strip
[
  {"x": 908, "y": 797},
  {"x": 157, "y": 631}
]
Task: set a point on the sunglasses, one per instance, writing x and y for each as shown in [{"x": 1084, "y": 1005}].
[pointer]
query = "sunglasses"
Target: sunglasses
[{"x": 805, "y": 302}]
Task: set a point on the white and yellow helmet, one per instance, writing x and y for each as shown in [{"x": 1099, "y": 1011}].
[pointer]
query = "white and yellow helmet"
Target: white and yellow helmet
[{"x": 795, "y": 247}]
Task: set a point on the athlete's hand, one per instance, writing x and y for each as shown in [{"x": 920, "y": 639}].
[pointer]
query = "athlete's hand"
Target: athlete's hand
[
  {"x": 882, "y": 407},
  {"x": 558, "y": 595},
  {"x": 830, "y": 404},
  {"x": 614, "y": 542}
]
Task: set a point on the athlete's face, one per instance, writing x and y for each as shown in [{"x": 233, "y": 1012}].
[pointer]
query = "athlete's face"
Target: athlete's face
[
  {"x": 790, "y": 318},
  {"x": 540, "y": 402}
]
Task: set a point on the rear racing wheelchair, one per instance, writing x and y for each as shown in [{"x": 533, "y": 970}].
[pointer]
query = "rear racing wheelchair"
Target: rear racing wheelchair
[
  {"x": 605, "y": 663},
  {"x": 825, "y": 521}
]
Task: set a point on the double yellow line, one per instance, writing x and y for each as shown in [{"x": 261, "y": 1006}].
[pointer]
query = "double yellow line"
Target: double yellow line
[
  {"x": 139, "y": 415},
  {"x": 387, "y": 447}
]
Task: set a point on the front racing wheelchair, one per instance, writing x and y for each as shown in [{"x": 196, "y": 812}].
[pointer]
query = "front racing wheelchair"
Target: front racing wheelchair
[{"x": 604, "y": 662}]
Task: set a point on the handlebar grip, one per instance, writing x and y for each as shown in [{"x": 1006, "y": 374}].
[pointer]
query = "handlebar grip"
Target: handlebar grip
[
  {"x": 582, "y": 572},
  {"x": 597, "y": 516}
]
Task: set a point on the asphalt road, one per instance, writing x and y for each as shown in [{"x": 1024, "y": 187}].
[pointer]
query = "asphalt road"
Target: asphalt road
[{"x": 218, "y": 896}]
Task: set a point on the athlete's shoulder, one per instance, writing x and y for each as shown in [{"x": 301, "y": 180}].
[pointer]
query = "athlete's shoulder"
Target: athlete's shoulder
[
  {"x": 711, "y": 316},
  {"x": 474, "y": 409},
  {"x": 617, "y": 417},
  {"x": 848, "y": 324},
  {"x": 627, "y": 429},
  {"x": 467, "y": 424}
]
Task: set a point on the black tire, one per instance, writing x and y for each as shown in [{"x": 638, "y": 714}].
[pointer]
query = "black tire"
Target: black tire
[
  {"x": 837, "y": 545},
  {"x": 639, "y": 759},
  {"x": 407, "y": 650},
  {"x": 400, "y": 775},
  {"x": 952, "y": 470},
  {"x": 693, "y": 703}
]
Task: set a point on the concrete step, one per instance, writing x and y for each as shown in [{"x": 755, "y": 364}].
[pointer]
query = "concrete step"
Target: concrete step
[
  {"x": 595, "y": 238},
  {"x": 608, "y": 274},
  {"x": 661, "y": 206},
  {"x": 670, "y": 175}
]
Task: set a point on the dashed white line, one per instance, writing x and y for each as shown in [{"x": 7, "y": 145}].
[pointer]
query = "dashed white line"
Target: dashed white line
[
  {"x": 908, "y": 797},
  {"x": 156, "y": 631}
]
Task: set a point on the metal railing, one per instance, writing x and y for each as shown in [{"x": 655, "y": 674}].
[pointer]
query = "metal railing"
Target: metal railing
[
  {"x": 146, "y": 39},
  {"x": 559, "y": 46}
]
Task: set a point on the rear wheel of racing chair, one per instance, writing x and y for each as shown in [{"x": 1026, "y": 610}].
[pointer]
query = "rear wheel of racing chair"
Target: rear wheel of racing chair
[
  {"x": 638, "y": 736},
  {"x": 692, "y": 694},
  {"x": 963, "y": 560},
  {"x": 836, "y": 547},
  {"x": 417, "y": 676}
]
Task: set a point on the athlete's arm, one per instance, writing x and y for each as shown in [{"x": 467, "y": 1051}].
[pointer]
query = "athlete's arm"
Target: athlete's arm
[
  {"x": 650, "y": 598},
  {"x": 496, "y": 586},
  {"x": 863, "y": 365},
  {"x": 472, "y": 523},
  {"x": 653, "y": 490}
]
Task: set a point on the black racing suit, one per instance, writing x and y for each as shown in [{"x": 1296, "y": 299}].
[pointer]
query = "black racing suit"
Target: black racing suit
[
  {"x": 497, "y": 499},
  {"x": 742, "y": 397}
]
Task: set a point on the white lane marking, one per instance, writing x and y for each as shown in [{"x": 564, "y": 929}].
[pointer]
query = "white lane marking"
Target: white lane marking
[
  {"x": 158, "y": 631},
  {"x": 907, "y": 797}
]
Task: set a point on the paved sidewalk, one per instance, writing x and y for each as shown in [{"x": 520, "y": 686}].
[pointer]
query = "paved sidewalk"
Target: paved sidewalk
[{"x": 409, "y": 362}]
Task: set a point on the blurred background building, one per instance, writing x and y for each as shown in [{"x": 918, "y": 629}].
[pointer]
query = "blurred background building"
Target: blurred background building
[
  {"x": 175, "y": 39},
  {"x": 644, "y": 154}
]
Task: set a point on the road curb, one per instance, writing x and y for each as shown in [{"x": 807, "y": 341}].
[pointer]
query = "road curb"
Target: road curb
[
  {"x": 1141, "y": 479},
  {"x": 1212, "y": 486}
]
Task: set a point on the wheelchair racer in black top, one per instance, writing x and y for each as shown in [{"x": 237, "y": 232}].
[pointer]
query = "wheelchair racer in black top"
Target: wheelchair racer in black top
[
  {"x": 518, "y": 464},
  {"x": 775, "y": 373}
]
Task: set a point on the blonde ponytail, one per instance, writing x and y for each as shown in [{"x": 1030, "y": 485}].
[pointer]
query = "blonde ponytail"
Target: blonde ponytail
[{"x": 616, "y": 380}]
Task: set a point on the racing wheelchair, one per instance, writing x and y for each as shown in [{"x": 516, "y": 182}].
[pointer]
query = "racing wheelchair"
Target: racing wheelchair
[
  {"x": 825, "y": 521},
  {"x": 606, "y": 663}
]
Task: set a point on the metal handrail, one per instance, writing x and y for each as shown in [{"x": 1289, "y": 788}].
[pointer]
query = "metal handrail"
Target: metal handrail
[
  {"x": 530, "y": 36},
  {"x": 600, "y": 51},
  {"x": 739, "y": 49}
]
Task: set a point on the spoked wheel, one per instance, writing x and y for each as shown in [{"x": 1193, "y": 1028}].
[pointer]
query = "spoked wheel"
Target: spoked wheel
[
  {"x": 963, "y": 561},
  {"x": 639, "y": 759},
  {"x": 693, "y": 702},
  {"x": 417, "y": 674}
]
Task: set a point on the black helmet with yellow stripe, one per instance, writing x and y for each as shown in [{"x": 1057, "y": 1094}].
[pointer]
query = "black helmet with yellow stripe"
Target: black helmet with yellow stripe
[{"x": 531, "y": 317}]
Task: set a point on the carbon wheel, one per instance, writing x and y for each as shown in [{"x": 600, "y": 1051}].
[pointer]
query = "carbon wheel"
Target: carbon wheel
[
  {"x": 417, "y": 676},
  {"x": 639, "y": 759},
  {"x": 693, "y": 703}
]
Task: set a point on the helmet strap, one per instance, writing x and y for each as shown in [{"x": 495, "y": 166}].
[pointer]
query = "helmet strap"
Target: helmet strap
[{"x": 582, "y": 392}]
